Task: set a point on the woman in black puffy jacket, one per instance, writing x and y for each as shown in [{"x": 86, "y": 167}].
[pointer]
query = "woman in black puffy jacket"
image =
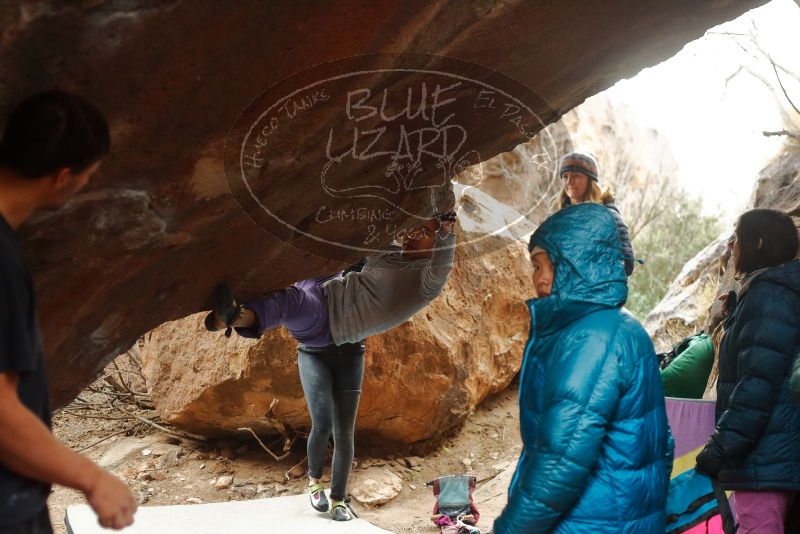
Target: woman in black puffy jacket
[{"x": 755, "y": 449}]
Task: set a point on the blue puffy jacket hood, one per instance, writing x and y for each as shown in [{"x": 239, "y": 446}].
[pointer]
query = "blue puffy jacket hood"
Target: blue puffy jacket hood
[
  {"x": 597, "y": 451},
  {"x": 583, "y": 243}
]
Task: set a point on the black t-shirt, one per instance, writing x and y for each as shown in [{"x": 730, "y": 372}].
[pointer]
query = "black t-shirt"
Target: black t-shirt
[{"x": 20, "y": 352}]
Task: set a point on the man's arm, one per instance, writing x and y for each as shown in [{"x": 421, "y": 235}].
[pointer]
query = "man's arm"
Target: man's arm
[
  {"x": 624, "y": 239},
  {"x": 29, "y": 449}
]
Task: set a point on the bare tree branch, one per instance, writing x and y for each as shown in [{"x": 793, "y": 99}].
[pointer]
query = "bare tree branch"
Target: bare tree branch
[
  {"x": 783, "y": 133},
  {"x": 287, "y": 476},
  {"x": 263, "y": 446},
  {"x": 174, "y": 433},
  {"x": 756, "y": 51},
  {"x": 780, "y": 83},
  {"x": 734, "y": 75},
  {"x": 99, "y": 441},
  {"x": 787, "y": 72},
  {"x": 735, "y": 34}
]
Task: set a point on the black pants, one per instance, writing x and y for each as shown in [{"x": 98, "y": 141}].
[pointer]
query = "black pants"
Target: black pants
[
  {"x": 331, "y": 378},
  {"x": 40, "y": 524}
]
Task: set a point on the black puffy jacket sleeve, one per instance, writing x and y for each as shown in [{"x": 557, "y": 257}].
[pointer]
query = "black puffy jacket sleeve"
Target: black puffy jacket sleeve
[{"x": 624, "y": 238}]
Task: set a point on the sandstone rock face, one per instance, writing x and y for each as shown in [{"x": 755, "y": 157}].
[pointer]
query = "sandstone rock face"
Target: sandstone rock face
[
  {"x": 421, "y": 379},
  {"x": 778, "y": 184},
  {"x": 684, "y": 310},
  {"x": 159, "y": 226},
  {"x": 634, "y": 160},
  {"x": 777, "y": 187},
  {"x": 691, "y": 302}
]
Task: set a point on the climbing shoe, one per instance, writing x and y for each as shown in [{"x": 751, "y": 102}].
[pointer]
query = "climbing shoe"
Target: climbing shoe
[
  {"x": 316, "y": 494},
  {"x": 223, "y": 307},
  {"x": 341, "y": 511}
]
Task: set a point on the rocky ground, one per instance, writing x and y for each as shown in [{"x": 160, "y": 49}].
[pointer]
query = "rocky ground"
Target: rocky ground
[{"x": 163, "y": 468}]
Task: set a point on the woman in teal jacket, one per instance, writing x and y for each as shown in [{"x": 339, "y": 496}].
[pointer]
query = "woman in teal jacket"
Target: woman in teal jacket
[{"x": 597, "y": 450}]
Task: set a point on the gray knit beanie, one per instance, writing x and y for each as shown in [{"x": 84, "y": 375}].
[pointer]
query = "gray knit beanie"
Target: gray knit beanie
[{"x": 579, "y": 162}]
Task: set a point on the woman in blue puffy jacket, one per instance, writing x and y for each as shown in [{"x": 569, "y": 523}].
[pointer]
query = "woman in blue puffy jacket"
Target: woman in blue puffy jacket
[
  {"x": 597, "y": 450},
  {"x": 580, "y": 175},
  {"x": 755, "y": 449}
]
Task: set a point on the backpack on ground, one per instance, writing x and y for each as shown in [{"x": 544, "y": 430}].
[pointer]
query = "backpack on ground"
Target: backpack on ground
[
  {"x": 454, "y": 510},
  {"x": 696, "y": 505},
  {"x": 685, "y": 368}
]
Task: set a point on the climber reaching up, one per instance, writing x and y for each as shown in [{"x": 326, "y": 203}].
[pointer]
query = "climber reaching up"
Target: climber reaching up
[
  {"x": 335, "y": 309},
  {"x": 330, "y": 316}
]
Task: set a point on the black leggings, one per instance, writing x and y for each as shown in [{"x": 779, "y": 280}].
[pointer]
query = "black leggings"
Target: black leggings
[{"x": 331, "y": 378}]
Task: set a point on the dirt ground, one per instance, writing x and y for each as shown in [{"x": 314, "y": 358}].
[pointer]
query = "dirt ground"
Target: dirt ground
[{"x": 162, "y": 469}]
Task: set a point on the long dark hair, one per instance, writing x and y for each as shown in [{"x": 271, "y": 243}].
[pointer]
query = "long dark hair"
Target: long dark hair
[{"x": 776, "y": 234}]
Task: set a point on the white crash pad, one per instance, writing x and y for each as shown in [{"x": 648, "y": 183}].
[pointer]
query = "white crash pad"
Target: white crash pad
[{"x": 287, "y": 515}]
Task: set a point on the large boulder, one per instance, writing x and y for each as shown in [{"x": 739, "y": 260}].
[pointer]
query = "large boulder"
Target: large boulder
[
  {"x": 692, "y": 301},
  {"x": 684, "y": 310},
  {"x": 778, "y": 184},
  {"x": 159, "y": 226},
  {"x": 422, "y": 378}
]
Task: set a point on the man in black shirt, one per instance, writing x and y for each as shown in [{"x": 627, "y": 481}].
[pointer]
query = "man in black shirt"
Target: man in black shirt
[{"x": 52, "y": 144}]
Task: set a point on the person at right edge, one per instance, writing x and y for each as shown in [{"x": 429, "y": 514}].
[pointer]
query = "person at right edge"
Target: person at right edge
[
  {"x": 755, "y": 448},
  {"x": 580, "y": 176},
  {"x": 597, "y": 450}
]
